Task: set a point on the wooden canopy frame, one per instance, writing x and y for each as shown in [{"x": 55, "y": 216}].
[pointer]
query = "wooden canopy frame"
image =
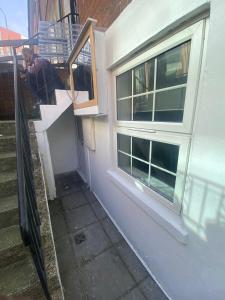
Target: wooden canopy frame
[{"x": 87, "y": 33}]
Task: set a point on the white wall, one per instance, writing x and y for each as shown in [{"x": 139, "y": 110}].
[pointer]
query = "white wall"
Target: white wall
[
  {"x": 63, "y": 144},
  {"x": 195, "y": 270}
]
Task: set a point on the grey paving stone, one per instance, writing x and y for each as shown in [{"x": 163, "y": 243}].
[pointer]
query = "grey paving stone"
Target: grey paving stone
[
  {"x": 90, "y": 196},
  {"x": 72, "y": 286},
  {"x": 73, "y": 201},
  {"x": 96, "y": 241},
  {"x": 105, "y": 277},
  {"x": 134, "y": 295},
  {"x": 55, "y": 206},
  {"x": 58, "y": 225},
  {"x": 100, "y": 212},
  {"x": 132, "y": 262},
  {"x": 151, "y": 290},
  {"x": 112, "y": 231},
  {"x": 65, "y": 255},
  {"x": 80, "y": 217}
]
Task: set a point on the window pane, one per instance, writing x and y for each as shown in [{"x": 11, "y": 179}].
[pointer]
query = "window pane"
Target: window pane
[
  {"x": 163, "y": 183},
  {"x": 124, "y": 85},
  {"x": 172, "y": 66},
  {"x": 165, "y": 156},
  {"x": 140, "y": 170},
  {"x": 169, "y": 105},
  {"x": 144, "y": 77},
  {"x": 142, "y": 110},
  {"x": 140, "y": 148},
  {"x": 124, "y": 110},
  {"x": 124, "y": 162},
  {"x": 124, "y": 143}
]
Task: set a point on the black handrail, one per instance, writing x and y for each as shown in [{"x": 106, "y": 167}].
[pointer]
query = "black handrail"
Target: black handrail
[{"x": 29, "y": 220}]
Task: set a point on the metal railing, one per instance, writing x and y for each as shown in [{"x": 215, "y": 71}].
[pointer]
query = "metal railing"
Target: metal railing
[{"x": 29, "y": 220}]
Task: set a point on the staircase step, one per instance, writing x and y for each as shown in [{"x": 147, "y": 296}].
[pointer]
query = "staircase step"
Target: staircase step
[
  {"x": 20, "y": 279},
  {"x": 7, "y": 161},
  {"x": 7, "y": 128},
  {"x": 9, "y": 211},
  {"x": 8, "y": 184},
  {"x": 11, "y": 246},
  {"x": 7, "y": 143}
]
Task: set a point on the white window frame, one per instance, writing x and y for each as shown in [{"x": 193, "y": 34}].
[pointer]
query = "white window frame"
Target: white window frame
[
  {"x": 167, "y": 132},
  {"x": 195, "y": 33}
]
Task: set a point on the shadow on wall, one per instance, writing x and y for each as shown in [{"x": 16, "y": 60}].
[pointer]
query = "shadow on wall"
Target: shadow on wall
[{"x": 204, "y": 210}]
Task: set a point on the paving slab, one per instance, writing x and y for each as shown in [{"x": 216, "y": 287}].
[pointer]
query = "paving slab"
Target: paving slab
[
  {"x": 112, "y": 231},
  {"x": 95, "y": 241},
  {"x": 105, "y": 277},
  {"x": 98, "y": 209},
  {"x": 135, "y": 294},
  {"x": 72, "y": 286},
  {"x": 58, "y": 225},
  {"x": 132, "y": 262},
  {"x": 151, "y": 290},
  {"x": 65, "y": 255},
  {"x": 80, "y": 217},
  {"x": 73, "y": 201}
]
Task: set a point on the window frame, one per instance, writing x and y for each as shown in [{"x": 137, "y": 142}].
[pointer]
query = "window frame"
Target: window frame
[
  {"x": 194, "y": 33},
  {"x": 181, "y": 140},
  {"x": 168, "y": 132}
]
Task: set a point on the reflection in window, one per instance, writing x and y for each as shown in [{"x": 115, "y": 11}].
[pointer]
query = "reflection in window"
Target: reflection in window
[
  {"x": 144, "y": 77},
  {"x": 124, "y": 85},
  {"x": 155, "y": 104},
  {"x": 142, "y": 108},
  {"x": 172, "y": 66},
  {"x": 82, "y": 71}
]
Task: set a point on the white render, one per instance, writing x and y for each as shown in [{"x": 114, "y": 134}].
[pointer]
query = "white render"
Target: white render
[{"x": 185, "y": 254}]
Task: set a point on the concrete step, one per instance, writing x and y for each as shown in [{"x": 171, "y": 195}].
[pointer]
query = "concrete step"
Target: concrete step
[
  {"x": 20, "y": 279},
  {"x": 9, "y": 211},
  {"x": 7, "y": 161},
  {"x": 8, "y": 184},
  {"x": 7, "y": 144},
  {"x": 11, "y": 246},
  {"x": 7, "y": 128}
]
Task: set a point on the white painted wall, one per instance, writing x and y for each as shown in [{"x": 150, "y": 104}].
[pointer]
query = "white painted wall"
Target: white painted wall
[
  {"x": 195, "y": 270},
  {"x": 63, "y": 144}
]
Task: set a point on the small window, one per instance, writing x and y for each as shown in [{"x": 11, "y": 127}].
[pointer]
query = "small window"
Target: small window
[
  {"x": 159, "y": 88},
  {"x": 153, "y": 163}
]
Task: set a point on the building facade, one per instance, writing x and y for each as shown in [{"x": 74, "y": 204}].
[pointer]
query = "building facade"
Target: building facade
[{"x": 157, "y": 166}]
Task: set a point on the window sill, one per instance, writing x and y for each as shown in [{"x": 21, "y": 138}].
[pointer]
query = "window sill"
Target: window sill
[{"x": 162, "y": 215}]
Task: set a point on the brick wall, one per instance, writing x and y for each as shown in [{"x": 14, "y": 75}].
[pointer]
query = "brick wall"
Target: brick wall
[{"x": 105, "y": 11}]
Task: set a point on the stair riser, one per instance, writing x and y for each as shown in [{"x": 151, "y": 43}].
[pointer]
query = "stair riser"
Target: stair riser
[
  {"x": 7, "y": 145},
  {"x": 8, "y": 188},
  {"x": 12, "y": 255},
  {"x": 7, "y": 128},
  {"x": 8, "y": 164},
  {"x": 9, "y": 218}
]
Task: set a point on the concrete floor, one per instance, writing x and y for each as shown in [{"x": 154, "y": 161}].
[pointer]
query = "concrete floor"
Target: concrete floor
[{"x": 94, "y": 260}]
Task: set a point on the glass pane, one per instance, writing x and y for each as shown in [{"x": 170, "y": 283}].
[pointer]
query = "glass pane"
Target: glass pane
[
  {"x": 163, "y": 183},
  {"x": 124, "y": 143},
  {"x": 124, "y": 85},
  {"x": 165, "y": 156},
  {"x": 124, "y": 162},
  {"x": 169, "y": 105},
  {"x": 142, "y": 110},
  {"x": 140, "y": 170},
  {"x": 140, "y": 148},
  {"x": 124, "y": 110},
  {"x": 82, "y": 71},
  {"x": 172, "y": 66},
  {"x": 144, "y": 77}
]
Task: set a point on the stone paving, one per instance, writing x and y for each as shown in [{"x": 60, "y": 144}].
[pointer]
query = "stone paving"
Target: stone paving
[{"x": 94, "y": 260}]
